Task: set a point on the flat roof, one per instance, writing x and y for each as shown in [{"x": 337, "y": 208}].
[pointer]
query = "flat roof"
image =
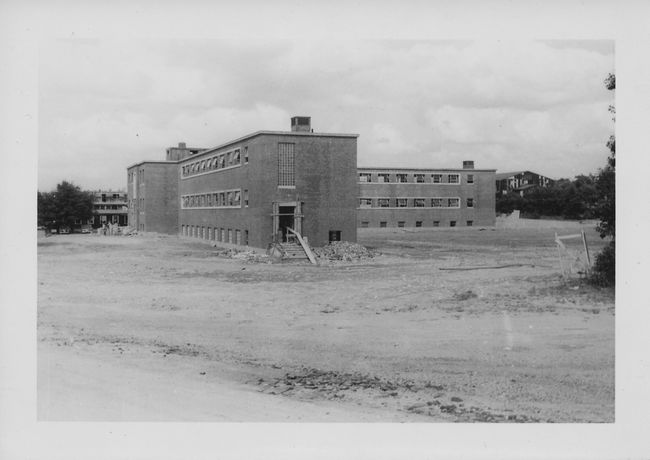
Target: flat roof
[
  {"x": 151, "y": 161},
  {"x": 369, "y": 168},
  {"x": 262, "y": 133}
]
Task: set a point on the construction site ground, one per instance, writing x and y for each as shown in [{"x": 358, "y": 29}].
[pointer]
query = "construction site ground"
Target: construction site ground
[{"x": 442, "y": 325}]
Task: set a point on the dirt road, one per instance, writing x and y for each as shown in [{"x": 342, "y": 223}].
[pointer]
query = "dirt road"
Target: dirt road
[{"x": 161, "y": 328}]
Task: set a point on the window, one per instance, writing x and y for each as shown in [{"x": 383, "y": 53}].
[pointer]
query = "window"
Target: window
[
  {"x": 245, "y": 198},
  {"x": 365, "y": 177},
  {"x": 382, "y": 224},
  {"x": 334, "y": 235},
  {"x": 401, "y": 223},
  {"x": 470, "y": 223},
  {"x": 286, "y": 165},
  {"x": 230, "y": 235},
  {"x": 384, "y": 178},
  {"x": 452, "y": 223},
  {"x": 246, "y": 161},
  {"x": 470, "y": 202},
  {"x": 454, "y": 178},
  {"x": 470, "y": 178},
  {"x": 229, "y": 198},
  {"x": 419, "y": 178},
  {"x": 436, "y": 202},
  {"x": 418, "y": 202},
  {"x": 383, "y": 202},
  {"x": 437, "y": 178},
  {"x": 418, "y": 223},
  {"x": 365, "y": 224},
  {"x": 238, "y": 237},
  {"x": 402, "y": 202},
  {"x": 436, "y": 223},
  {"x": 454, "y": 203},
  {"x": 365, "y": 202},
  {"x": 236, "y": 157},
  {"x": 246, "y": 237},
  {"x": 402, "y": 178}
]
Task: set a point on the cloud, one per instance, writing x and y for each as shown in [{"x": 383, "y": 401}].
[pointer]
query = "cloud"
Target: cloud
[{"x": 412, "y": 102}]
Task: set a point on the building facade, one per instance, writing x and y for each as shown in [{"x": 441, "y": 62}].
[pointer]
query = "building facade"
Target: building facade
[
  {"x": 109, "y": 207},
  {"x": 253, "y": 190},
  {"x": 520, "y": 182},
  {"x": 400, "y": 197}
]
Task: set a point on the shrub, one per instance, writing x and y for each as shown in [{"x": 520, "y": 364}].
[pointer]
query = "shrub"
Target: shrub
[{"x": 603, "y": 273}]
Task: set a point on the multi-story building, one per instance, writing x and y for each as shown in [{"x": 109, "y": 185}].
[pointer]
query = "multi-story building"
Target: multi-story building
[
  {"x": 400, "y": 197},
  {"x": 520, "y": 182},
  {"x": 109, "y": 207},
  {"x": 253, "y": 190}
]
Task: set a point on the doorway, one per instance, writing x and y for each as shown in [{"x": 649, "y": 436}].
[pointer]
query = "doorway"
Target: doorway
[
  {"x": 287, "y": 215},
  {"x": 286, "y": 220}
]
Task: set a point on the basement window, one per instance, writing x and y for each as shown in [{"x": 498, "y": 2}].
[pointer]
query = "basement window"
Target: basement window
[
  {"x": 382, "y": 224},
  {"x": 401, "y": 223},
  {"x": 436, "y": 223},
  {"x": 418, "y": 223},
  {"x": 470, "y": 223},
  {"x": 365, "y": 224},
  {"x": 452, "y": 223}
]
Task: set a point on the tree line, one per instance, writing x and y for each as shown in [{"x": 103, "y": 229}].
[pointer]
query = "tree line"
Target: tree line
[
  {"x": 575, "y": 199},
  {"x": 64, "y": 206}
]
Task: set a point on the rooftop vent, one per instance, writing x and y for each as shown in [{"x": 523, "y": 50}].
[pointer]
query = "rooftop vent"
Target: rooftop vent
[
  {"x": 468, "y": 164},
  {"x": 302, "y": 124}
]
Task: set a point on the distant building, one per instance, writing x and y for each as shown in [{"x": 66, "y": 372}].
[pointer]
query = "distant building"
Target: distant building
[
  {"x": 401, "y": 197},
  {"x": 109, "y": 207},
  {"x": 520, "y": 182}
]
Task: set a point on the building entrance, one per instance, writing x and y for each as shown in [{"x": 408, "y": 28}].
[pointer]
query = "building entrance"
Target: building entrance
[{"x": 286, "y": 216}]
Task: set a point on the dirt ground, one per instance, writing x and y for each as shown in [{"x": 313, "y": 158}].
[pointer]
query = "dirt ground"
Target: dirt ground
[{"x": 152, "y": 327}]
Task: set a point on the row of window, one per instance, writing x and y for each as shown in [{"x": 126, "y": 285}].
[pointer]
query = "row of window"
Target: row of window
[
  {"x": 453, "y": 202},
  {"x": 109, "y": 206},
  {"x": 220, "y": 161},
  {"x": 140, "y": 174},
  {"x": 418, "y": 223},
  {"x": 224, "y": 235},
  {"x": 419, "y": 178},
  {"x": 220, "y": 199}
]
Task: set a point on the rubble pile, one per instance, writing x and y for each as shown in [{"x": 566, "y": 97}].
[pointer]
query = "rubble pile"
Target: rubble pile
[{"x": 342, "y": 250}]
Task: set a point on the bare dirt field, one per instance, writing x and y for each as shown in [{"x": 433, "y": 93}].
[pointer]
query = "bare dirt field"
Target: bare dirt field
[{"x": 152, "y": 327}]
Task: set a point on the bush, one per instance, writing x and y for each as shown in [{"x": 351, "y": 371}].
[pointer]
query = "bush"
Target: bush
[{"x": 603, "y": 273}]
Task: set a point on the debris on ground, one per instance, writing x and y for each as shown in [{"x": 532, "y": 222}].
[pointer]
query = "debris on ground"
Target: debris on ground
[
  {"x": 345, "y": 251},
  {"x": 245, "y": 255}
]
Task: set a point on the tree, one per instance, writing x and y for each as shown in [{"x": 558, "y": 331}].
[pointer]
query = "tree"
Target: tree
[
  {"x": 604, "y": 271},
  {"x": 64, "y": 206}
]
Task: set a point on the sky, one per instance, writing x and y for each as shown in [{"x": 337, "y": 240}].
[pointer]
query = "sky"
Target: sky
[{"x": 105, "y": 104}]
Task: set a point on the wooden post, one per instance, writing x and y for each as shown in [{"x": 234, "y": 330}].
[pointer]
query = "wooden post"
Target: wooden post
[{"x": 584, "y": 242}]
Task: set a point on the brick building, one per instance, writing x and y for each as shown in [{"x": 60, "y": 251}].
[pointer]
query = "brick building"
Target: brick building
[
  {"x": 251, "y": 190},
  {"x": 399, "y": 197}
]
